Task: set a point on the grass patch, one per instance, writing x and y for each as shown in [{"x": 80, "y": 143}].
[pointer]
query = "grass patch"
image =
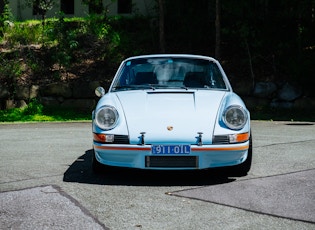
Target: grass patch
[
  {"x": 59, "y": 114},
  {"x": 36, "y": 112}
]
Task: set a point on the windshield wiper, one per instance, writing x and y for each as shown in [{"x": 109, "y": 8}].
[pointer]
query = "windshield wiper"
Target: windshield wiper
[
  {"x": 134, "y": 87},
  {"x": 148, "y": 86}
]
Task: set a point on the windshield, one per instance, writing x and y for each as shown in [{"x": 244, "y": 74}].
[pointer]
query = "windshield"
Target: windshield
[{"x": 156, "y": 73}]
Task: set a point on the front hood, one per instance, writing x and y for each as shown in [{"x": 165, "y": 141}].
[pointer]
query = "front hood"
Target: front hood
[{"x": 170, "y": 117}]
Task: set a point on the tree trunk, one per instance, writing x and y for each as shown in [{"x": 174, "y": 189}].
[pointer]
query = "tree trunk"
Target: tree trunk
[
  {"x": 2, "y": 3},
  {"x": 161, "y": 26},
  {"x": 218, "y": 30},
  {"x": 250, "y": 64}
]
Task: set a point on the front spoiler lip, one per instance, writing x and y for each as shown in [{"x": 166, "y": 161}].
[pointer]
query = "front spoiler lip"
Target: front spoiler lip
[
  {"x": 194, "y": 148},
  {"x": 134, "y": 156}
]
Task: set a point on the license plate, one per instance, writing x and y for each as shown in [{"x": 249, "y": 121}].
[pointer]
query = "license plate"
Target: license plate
[{"x": 171, "y": 149}]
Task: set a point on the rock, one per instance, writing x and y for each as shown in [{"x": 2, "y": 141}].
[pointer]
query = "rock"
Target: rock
[
  {"x": 4, "y": 92},
  {"x": 264, "y": 89},
  {"x": 34, "y": 91},
  {"x": 254, "y": 103},
  {"x": 60, "y": 99},
  {"x": 278, "y": 104},
  {"x": 22, "y": 92},
  {"x": 93, "y": 85},
  {"x": 57, "y": 89},
  {"x": 242, "y": 87},
  {"x": 82, "y": 104},
  {"x": 85, "y": 89},
  {"x": 20, "y": 104},
  {"x": 289, "y": 93},
  {"x": 305, "y": 103},
  {"x": 11, "y": 104},
  {"x": 49, "y": 101}
]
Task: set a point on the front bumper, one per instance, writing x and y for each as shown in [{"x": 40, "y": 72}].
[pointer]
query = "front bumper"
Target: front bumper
[{"x": 200, "y": 157}]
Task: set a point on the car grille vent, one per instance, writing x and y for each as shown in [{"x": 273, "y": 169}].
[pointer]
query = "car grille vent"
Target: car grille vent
[
  {"x": 121, "y": 139},
  {"x": 171, "y": 162},
  {"x": 223, "y": 139}
]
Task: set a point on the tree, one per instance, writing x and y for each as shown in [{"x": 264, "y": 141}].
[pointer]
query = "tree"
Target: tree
[
  {"x": 5, "y": 15},
  {"x": 218, "y": 29},
  {"x": 95, "y": 6},
  {"x": 41, "y": 6},
  {"x": 161, "y": 26},
  {"x": 2, "y": 4}
]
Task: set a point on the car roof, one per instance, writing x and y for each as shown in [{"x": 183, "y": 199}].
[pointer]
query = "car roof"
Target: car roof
[{"x": 173, "y": 55}]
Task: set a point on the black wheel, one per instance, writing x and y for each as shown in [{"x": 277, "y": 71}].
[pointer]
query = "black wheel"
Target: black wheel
[
  {"x": 97, "y": 167},
  {"x": 243, "y": 168}
]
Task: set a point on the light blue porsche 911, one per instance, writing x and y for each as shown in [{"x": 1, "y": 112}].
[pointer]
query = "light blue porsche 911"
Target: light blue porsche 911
[{"x": 171, "y": 112}]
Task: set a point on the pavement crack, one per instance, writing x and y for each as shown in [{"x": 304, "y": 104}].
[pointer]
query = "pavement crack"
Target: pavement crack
[
  {"x": 29, "y": 179},
  {"x": 283, "y": 143}
]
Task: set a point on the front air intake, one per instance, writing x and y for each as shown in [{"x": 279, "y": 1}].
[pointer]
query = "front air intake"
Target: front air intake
[{"x": 171, "y": 162}]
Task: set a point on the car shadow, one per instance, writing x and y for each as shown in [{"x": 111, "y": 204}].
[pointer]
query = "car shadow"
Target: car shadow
[{"x": 81, "y": 172}]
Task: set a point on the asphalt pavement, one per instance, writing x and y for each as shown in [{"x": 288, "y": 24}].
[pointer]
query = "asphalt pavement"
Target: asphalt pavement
[{"x": 46, "y": 182}]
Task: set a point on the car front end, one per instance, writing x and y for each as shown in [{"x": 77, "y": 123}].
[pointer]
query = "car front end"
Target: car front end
[{"x": 178, "y": 127}]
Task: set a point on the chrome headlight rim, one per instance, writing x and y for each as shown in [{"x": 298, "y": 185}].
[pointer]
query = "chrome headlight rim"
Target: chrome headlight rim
[
  {"x": 241, "y": 120},
  {"x": 112, "y": 117}
]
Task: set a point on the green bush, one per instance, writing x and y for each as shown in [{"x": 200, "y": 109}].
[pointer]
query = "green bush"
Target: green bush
[
  {"x": 24, "y": 33},
  {"x": 6, "y": 19},
  {"x": 33, "y": 108},
  {"x": 37, "y": 112},
  {"x": 10, "y": 70}
]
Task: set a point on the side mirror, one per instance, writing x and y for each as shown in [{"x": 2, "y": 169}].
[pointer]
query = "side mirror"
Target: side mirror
[{"x": 99, "y": 91}]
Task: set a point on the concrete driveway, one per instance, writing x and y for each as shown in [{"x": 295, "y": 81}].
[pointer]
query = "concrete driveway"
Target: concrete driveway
[{"x": 46, "y": 183}]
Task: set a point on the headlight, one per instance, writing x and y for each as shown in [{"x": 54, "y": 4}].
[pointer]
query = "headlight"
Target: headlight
[
  {"x": 106, "y": 117},
  {"x": 235, "y": 117}
]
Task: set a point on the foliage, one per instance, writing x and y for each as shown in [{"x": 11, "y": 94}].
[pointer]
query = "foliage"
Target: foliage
[
  {"x": 10, "y": 71},
  {"x": 24, "y": 33},
  {"x": 37, "y": 112},
  {"x": 267, "y": 40},
  {"x": 9, "y": 68},
  {"x": 6, "y": 15},
  {"x": 189, "y": 26},
  {"x": 6, "y": 19},
  {"x": 33, "y": 108},
  {"x": 271, "y": 40},
  {"x": 133, "y": 36},
  {"x": 41, "y": 6},
  {"x": 66, "y": 43},
  {"x": 261, "y": 39},
  {"x": 95, "y": 6},
  {"x": 277, "y": 34}
]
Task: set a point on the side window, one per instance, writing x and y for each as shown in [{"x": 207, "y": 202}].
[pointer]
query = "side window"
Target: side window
[
  {"x": 126, "y": 76},
  {"x": 216, "y": 78},
  {"x": 124, "y": 6}
]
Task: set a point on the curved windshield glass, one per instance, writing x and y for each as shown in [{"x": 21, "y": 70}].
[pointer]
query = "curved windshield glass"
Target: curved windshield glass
[{"x": 177, "y": 72}]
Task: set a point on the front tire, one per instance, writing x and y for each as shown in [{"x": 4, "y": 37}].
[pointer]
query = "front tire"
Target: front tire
[
  {"x": 97, "y": 167},
  {"x": 243, "y": 168}
]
